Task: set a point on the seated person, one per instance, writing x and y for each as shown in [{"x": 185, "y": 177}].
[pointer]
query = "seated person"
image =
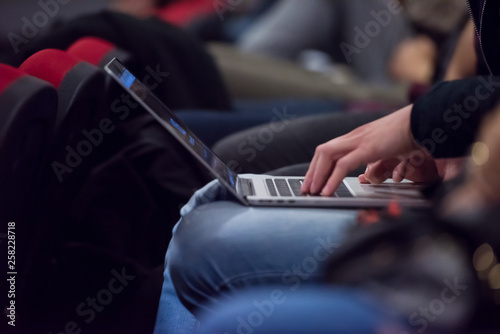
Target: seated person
[
  {"x": 424, "y": 57},
  {"x": 219, "y": 246},
  {"x": 295, "y": 144},
  {"x": 365, "y": 310},
  {"x": 284, "y": 31}
]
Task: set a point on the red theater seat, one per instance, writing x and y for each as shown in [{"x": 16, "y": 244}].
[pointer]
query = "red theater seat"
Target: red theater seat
[
  {"x": 27, "y": 115},
  {"x": 100, "y": 52},
  {"x": 183, "y": 12},
  {"x": 80, "y": 87},
  {"x": 79, "y": 140},
  {"x": 97, "y": 51}
]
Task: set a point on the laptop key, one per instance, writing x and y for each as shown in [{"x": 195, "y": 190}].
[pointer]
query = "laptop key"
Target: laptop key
[
  {"x": 271, "y": 187},
  {"x": 342, "y": 191},
  {"x": 283, "y": 188},
  {"x": 295, "y": 185}
]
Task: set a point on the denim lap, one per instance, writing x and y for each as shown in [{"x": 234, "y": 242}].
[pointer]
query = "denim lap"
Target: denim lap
[{"x": 220, "y": 246}]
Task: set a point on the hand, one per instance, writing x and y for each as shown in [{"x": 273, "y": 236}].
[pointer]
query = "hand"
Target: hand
[
  {"x": 424, "y": 169},
  {"x": 388, "y": 137}
]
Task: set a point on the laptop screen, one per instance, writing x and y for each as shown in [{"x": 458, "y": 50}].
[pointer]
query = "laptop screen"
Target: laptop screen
[{"x": 168, "y": 119}]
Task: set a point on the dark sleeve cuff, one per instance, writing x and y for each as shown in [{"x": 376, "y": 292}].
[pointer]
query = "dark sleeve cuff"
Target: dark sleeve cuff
[{"x": 446, "y": 120}]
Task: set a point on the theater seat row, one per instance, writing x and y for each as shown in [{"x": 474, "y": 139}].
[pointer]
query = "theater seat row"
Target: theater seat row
[
  {"x": 45, "y": 105},
  {"x": 49, "y": 107}
]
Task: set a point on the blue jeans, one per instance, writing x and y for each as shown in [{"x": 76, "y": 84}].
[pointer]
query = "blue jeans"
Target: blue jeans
[
  {"x": 309, "y": 310},
  {"x": 220, "y": 246}
]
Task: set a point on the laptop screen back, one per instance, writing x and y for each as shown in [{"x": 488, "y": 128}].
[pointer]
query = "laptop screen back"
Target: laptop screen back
[{"x": 169, "y": 120}]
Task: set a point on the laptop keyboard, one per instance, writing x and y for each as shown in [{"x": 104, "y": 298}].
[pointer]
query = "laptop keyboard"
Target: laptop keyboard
[
  {"x": 291, "y": 187},
  {"x": 296, "y": 185},
  {"x": 283, "y": 188},
  {"x": 271, "y": 187}
]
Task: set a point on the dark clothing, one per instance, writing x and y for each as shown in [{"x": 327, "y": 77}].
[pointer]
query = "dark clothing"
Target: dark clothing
[
  {"x": 120, "y": 217},
  {"x": 260, "y": 149},
  {"x": 446, "y": 119},
  {"x": 121, "y": 220},
  {"x": 485, "y": 14},
  {"x": 212, "y": 126},
  {"x": 193, "y": 81}
]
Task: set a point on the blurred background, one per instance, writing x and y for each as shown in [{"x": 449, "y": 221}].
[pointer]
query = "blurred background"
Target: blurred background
[{"x": 12, "y": 12}]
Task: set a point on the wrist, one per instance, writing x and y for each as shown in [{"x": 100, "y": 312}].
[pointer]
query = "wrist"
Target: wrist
[{"x": 412, "y": 142}]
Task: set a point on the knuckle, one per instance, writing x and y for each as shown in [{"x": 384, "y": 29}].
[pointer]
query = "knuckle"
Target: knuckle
[
  {"x": 377, "y": 179},
  {"x": 321, "y": 149}
]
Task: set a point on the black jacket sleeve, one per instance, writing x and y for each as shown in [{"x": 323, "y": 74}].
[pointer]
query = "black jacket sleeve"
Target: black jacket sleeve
[{"x": 446, "y": 120}]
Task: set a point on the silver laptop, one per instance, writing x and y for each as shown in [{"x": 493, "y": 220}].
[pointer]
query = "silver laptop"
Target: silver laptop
[{"x": 264, "y": 190}]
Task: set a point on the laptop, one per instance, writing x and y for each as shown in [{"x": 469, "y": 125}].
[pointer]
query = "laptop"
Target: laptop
[{"x": 264, "y": 190}]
